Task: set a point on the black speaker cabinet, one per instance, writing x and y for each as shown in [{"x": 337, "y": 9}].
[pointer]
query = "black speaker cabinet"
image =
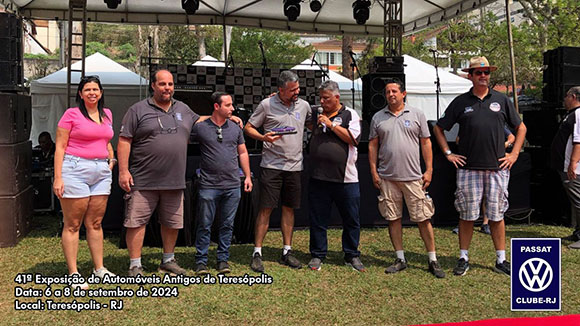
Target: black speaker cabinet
[
  {"x": 374, "y": 97},
  {"x": 10, "y": 25},
  {"x": 11, "y": 75},
  {"x": 16, "y": 121},
  {"x": 15, "y": 214},
  {"x": 15, "y": 167},
  {"x": 562, "y": 72}
]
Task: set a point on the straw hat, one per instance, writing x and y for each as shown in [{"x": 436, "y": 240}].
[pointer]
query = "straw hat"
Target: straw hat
[{"x": 479, "y": 62}]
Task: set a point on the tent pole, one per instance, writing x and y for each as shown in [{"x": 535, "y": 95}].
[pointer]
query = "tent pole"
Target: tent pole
[{"x": 512, "y": 59}]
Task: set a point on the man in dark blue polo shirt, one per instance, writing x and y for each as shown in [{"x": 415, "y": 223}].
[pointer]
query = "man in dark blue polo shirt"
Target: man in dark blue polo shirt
[
  {"x": 222, "y": 145},
  {"x": 483, "y": 165}
]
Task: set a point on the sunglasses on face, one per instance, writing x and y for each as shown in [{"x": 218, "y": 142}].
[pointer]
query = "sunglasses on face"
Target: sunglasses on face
[
  {"x": 220, "y": 136},
  {"x": 481, "y": 72}
]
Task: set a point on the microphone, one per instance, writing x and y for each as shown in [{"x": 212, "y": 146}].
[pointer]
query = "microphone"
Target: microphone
[
  {"x": 320, "y": 110},
  {"x": 313, "y": 58}
]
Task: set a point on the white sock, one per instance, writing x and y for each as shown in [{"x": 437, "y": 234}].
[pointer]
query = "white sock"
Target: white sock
[
  {"x": 168, "y": 256},
  {"x": 286, "y": 249},
  {"x": 432, "y": 256},
  {"x": 400, "y": 254},
  {"x": 463, "y": 254},
  {"x": 257, "y": 250},
  {"x": 135, "y": 262},
  {"x": 500, "y": 254}
]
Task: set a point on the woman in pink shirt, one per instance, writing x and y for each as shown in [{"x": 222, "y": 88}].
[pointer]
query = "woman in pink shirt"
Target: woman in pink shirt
[{"x": 83, "y": 161}]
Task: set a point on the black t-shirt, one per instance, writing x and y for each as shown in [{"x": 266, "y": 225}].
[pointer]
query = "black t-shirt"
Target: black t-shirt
[
  {"x": 560, "y": 141},
  {"x": 331, "y": 159},
  {"x": 481, "y": 127}
]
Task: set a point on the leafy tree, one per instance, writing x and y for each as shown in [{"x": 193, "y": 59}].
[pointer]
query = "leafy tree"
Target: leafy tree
[
  {"x": 279, "y": 47},
  {"x": 94, "y": 47}
]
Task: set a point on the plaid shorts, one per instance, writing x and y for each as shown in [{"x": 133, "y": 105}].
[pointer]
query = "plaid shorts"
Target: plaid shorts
[{"x": 473, "y": 186}]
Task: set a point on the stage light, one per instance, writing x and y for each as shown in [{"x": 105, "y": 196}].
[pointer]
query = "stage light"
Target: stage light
[
  {"x": 112, "y": 4},
  {"x": 190, "y": 6},
  {"x": 361, "y": 11},
  {"x": 315, "y": 5},
  {"x": 292, "y": 9}
]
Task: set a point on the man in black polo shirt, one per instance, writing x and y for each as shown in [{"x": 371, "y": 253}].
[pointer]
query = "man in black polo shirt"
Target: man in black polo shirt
[
  {"x": 483, "y": 165},
  {"x": 334, "y": 177},
  {"x": 565, "y": 157}
]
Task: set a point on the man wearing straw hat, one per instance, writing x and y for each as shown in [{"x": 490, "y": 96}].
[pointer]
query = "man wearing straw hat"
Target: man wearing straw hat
[{"x": 482, "y": 164}]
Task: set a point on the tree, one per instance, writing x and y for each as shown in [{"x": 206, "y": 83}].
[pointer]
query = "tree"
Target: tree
[{"x": 280, "y": 47}]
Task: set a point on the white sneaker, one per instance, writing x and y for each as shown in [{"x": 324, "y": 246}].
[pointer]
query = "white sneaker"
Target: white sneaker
[
  {"x": 101, "y": 272},
  {"x": 83, "y": 286}
]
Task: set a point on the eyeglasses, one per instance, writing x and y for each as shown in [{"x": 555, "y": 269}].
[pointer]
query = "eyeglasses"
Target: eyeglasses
[
  {"x": 86, "y": 78},
  {"x": 220, "y": 136},
  {"x": 481, "y": 72},
  {"x": 172, "y": 130}
]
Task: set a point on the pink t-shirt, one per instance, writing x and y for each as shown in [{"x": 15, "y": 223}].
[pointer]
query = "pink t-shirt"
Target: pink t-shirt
[{"x": 87, "y": 139}]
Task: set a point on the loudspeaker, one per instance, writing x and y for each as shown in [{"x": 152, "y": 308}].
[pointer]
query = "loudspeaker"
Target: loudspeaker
[
  {"x": 387, "y": 65},
  {"x": 15, "y": 167},
  {"x": 15, "y": 213},
  {"x": 562, "y": 72},
  {"x": 10, "y": 25},
  {"x": 16, "y": 121},
  {"x": 542, "y": 126},
  {"x": 374, "y": 98}
]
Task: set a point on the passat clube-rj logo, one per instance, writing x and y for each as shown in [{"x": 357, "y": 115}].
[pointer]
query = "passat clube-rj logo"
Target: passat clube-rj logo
[{"x": 535, "y": 277}]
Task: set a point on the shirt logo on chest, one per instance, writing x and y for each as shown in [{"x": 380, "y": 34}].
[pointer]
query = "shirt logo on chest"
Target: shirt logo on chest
[
  {"x": 338, "y": 121},
  {"x": 407, "y": 123},
  {"x": 178, "y": 116},
  {"x": 468, "y": 109},
  {"x": 297, "y": 115},
  {"x": 495, "y": 107}
]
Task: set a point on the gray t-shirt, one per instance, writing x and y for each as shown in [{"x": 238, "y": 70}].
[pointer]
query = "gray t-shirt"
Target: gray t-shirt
[
  {"x": 159, "y": 144},
  {"x": 399, "y": 151},
  {"x": 219, "y": 160},
  {"x": 285, "y": 153}
]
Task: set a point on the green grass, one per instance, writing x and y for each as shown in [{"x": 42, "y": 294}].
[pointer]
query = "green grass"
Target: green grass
[{"x": 334, "y": 295}]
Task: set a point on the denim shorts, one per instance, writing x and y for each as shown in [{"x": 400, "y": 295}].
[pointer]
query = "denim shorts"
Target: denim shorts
[{"x": 85, "y": 177}]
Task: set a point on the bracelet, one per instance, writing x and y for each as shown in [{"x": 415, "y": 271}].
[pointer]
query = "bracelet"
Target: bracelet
[{"x": 114, "y": 160}]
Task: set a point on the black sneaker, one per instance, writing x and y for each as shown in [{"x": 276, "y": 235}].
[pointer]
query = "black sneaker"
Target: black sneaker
[
  {"x": 397, "y": 266},
  {"x": 201, "y": 269},
  {"x": 171, "y": 268},
  {"x": 223, "y": 267},
  {"x": 356, "y": 264},
  {"x": 256, "y": 264},
  {"x": 435, "y": 269},
  {"x": 503, "y": 268},
  {"x": 289, "y": 260},
  {"x": 485, "y": 229},
  {"x": 461, "y": 268},
  {"x": 573, "y": 237}
]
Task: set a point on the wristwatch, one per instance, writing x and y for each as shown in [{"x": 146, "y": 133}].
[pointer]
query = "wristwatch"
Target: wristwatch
[
  {"x": 447, "y": 152},
  {"x": 112, "y": 160},
  {"x": 333, "y": 125}
]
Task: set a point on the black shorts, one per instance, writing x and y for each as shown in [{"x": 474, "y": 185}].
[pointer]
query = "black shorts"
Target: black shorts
[{"x": 278, "y": 184}]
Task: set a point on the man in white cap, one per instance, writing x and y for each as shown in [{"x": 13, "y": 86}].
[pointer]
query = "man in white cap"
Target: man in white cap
[{"x": 483, "y": 165}]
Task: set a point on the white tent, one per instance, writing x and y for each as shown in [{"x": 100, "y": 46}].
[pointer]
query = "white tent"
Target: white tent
[
  {"x": 122, "y": 88},
  {"x": 420, "y": 85},
  {"x": 209, "y": 61}
]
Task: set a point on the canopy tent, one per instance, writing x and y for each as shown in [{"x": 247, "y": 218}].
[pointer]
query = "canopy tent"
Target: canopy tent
[
  {"x": 122, "y": 88},
  {"x": 209, "y": 61},
  {"x": 335, "y": 17}
]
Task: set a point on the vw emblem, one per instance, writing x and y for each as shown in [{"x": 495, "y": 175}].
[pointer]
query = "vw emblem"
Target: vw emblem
[{"x": 536, "y": 274}]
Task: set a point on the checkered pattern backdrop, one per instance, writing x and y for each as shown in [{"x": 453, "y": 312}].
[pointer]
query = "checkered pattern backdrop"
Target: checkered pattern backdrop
[{"x": 248, "y": 86}]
